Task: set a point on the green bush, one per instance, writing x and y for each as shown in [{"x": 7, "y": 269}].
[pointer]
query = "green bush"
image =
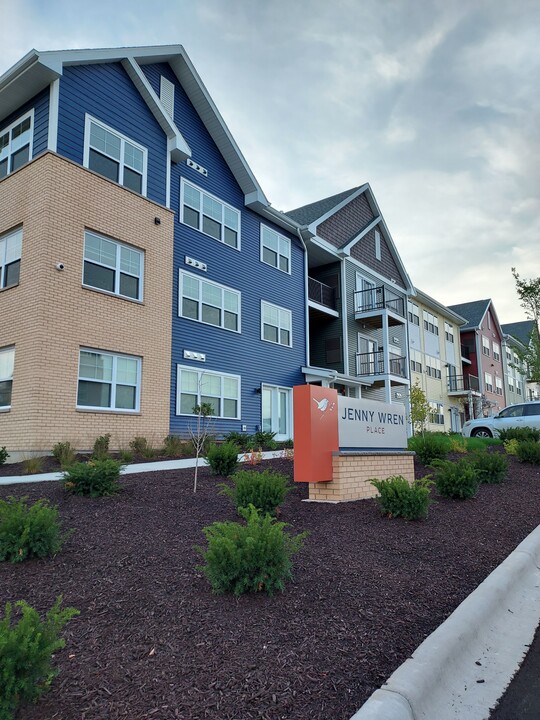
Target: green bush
[
  {"x": 264, "y": 490},
  {"x": 32, "y": 465},
  {"x": 141, "y": 446},
  {"x": 28, "y": 531},
  {"x": 223, "y": 459},
  {"x": 458, "y": 480},
  {"x": 511, "y": 447},
  {"x": 3, "y": 455},
  {"x": 64, "y": 454},
  {"x": 244, "y": 441},
  {"x": 100, "y": 450},
  {"x": 529, "y": 452},
  {"x": 519, "y": 433},
  {"x": 174, "y": 446},
  {"x": 94, "y": 479},
  {"x": 26, "y": 650},
  {"x": 429, "y": 447},
  {"x": 490, "y": 467},
  {"x": 265, "y": 440},
  {"x": 399, "y": 498},
  {"x": 254, "y": 557}
]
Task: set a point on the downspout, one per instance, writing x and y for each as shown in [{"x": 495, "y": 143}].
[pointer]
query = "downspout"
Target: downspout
[{"x": 306, "y": 295}]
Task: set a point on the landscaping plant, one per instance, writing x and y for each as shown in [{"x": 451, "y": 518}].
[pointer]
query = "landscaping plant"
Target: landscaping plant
[
  {"x": 244, "y": 441},
  {"x": 141, "y": 446},
  {"x": 490, "y": 467},
  {"x": 3, "y": 455},
  {"x": 28, "y": 531},
  {"x": 93, "y": 479},
  {"x": 458, "y": 480},
  {"x": 265, "y": 439},
  {"x": 101, "y": 447},
  {"x": 255, "y": 557},
  {"x": 520, "y": 433},
  {"x": 64, "y": 454},
  {"x": 32, "y": 465},
  {"x": 529, "y": 452},
  {"x": 264, "y": 490},
  {"x": 26, "y": 650},
  {"x": 200, "y": 434},
  {"x": 511, "y": 446},
  {"x": 223, "y": 458},
  {"x": 429, "y": 446},
  {"x": 399, "y": 498},
  {"x": 174, "y": 446}
]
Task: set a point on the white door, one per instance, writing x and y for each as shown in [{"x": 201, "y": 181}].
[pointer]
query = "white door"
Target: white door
[
  {"x": 277, "y": 411},
  {"x": 364, "y": 300},
  {"x": 367, "y": 356}
]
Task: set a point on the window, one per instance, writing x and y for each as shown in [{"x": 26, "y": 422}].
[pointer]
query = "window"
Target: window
[
  {"x": 498, "y": 386},
  {"x": 195, "y": 387},
  {"x": 115, "y": 156},
  {"x": 10, "y": 258},
  {"x": 414, "y": 313},
  {"x": 431, "y": 323},
  {"x": 416, "y": 360},
  {"x": 449, "y": 332},
  {"x": 207, "y": 302},
  {"x": 108, "y": 381},
  {"x": 209, "y": 215},
  {"x": 436, "y": 415},
  {"x": 275, "y": 249},
  {"x": 519, "y": 387},
  {"x": 112, "y": 266},
  {"x": 510, "y": 383},
  {"x": 508, "y": 355},
  {"x": 276, "y": 324},
  {"x": 489, "y": 382},
  {"x": 377, "y": 245},
  {"x": 7, "y": 361},
  {"x": 496, "y": 351},
  {"x": 485, "y": 346},
  {"x": 276, "y": 411},
  {"x": 16, "y": 144},
  {"x": 365, "y": 296},
  {"x": 433, "y": 367}
]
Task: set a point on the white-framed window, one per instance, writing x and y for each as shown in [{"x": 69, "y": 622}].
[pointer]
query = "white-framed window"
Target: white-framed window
[
  {"x": 498, "y": 386},
  {"x": 365, "y": 296},
  {"x": 276, "y": 324},
  {"x": 196, "y": 387},
  {"x": 115, "y": 156},
  {"x": 276, "y": 411},
  {"x": 485, "y": 346},
  {"x": 496, "y": 351},
  {"x": 10, "y": 258},
  {"x": 416, "y": 360},
  {"x": 449, "y": 332},
  {"x": 208, "y": 302},
  {"x": 275, "y": 249},
  {"x": 510, "y": 383},
  {"x": 431, "y": 322},
  {"x": 113, "y": 267},
  {"x": 211, "y": 216},
  {"x": 489, "y": 382},
  {"x": 413, "y": 313},
  {"x": 377, "y": 245},
  {"x": 16, "y": 144},
  {"x": 508, "y": 355},
  {"x": 436, "y": 415},
  {"x": 108, "y": 381},
  {"x": 433, "y": 367},
  {"x": 519, "y": 387},
  {"x": 7, "y": 362}
]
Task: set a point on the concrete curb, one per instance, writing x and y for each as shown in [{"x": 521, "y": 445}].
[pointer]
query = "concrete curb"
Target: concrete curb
[{"x": 464, "y": 666}]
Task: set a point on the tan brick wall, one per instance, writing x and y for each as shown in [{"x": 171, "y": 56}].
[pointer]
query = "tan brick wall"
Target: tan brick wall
[
  {"x": 49, "y": 316},
  {"x": 352, "y": 474}
]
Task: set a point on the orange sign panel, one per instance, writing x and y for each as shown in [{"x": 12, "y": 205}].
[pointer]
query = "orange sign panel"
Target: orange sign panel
[{"x": 315, "y": 432}]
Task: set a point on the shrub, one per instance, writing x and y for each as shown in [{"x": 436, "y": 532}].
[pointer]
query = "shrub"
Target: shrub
[
  {"x": 490, "y": 467},
  {"x": 429, "y": 447},
  {"x": 141, "y": 446},
  {"x": 253, "y": 458},
  {"x": 264, "y": 490},
  {"x": 64, "y": 454},
  {"x": 529, "y": 452},
  {"x": 458, "y": 445},
  {"x": 223, "y": 458},
  {"x": 174, "y": 446},
  {"x": 244, "y": 441},
  {"x": 458, "y": 480},
  {"x": 26, "y": 650},
  {"x": 519, "y": 433},
  {"x": 100, "y": 450},
  {"x": 126, "y": 456},
  {"x": 265, "y": 440},
  {"x": 28, "y": 531},
  {"x": 32, "y": 465},
  {"x": 3, "y": 455},
  {"x": 254, "y": 557},
  {"x": 399, "y": 498},
  {"x": 511, "y": 446},
  {"x": 94, "y": 479}
]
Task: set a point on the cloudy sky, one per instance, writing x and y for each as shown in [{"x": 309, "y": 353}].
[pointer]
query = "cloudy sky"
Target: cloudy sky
[{"x": 435, "y": 103}]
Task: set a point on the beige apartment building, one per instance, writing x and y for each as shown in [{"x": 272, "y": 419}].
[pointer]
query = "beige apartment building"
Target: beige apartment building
[{"x": 86, "y": 304}]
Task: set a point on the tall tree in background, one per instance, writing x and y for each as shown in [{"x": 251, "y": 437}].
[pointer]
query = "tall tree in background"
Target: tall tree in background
[{"x": 529, "y": 294}]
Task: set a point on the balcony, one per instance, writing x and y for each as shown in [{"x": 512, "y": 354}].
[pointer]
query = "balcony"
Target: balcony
[
  {"x": 372, "y": 364},
  {"x": 371, "y": 303},
  {"x": 322, "y": 297},
  {"x": 463, "y": 385}
]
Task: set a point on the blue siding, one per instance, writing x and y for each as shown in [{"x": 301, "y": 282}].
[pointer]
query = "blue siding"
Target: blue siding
[
  {"x": 40, "y": 103},
  {"x": 243, "y": 354},
  {"x": 107, "y": 93}
]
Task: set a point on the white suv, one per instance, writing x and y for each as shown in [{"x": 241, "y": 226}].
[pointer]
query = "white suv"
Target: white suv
[{"x": 513, "y": 416}]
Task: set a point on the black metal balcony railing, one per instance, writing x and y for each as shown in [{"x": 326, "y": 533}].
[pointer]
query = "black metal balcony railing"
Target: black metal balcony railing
[
  {"x": 372, "y": 363},
  {"x": 463, "y": 383},
  {"x": 321, "y": 293},
  {"x": 379, "y": 298}
]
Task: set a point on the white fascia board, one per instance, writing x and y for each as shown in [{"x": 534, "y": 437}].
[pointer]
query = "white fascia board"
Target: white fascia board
[
  {"x": 54, "y": 100},
  {"x": 396, "y": 256},
  {"x": 254, "y": 202},
  {"x": 24, "y": 80},
  {"x": 325, "y": 245},
  {"x": 142, "y": 54},
  {"x": 345, "y": 249},
  {"x": 439, "y": 307},
  {"x": 318, "y": 372},
  {"x": 176, "y": 144}
]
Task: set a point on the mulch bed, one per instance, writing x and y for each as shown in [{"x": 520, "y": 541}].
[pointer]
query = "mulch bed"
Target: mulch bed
[{"x": 153, "y": 642}]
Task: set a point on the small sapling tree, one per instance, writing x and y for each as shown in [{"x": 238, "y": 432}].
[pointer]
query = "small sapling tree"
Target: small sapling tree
[
  {"x": 200, "y": 433},
  {"x": 419, "y": 408}
]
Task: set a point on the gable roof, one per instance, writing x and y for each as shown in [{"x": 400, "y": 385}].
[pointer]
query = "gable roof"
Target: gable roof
[
  {"x": 441, "y": 309},
  {"x": 473, "y": 312},
  {"x": 521, "y": 331},
  {"x": 307, "y": 214}
]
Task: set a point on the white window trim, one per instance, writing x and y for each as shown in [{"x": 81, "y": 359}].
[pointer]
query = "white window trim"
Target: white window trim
[
  {"x": 414, "y": 311},
  {"x": 489, "y": 382},
  {"x": 279, "y": 327},
  {"x": 277, "y": 388},
  {"x": 280, "y": 237},
  {"x": 10, "y": 349},
  {"x": 116, "y": 268},
  {"x": 113, "y": 382},
  {"x": 6, "y": 236},
  {"x": 200, "y": 372},
  {"x": 9, "y": 128},
  {"x": 123, "y": 139},
  {"x": 485, "y": 346},
  {"x": 217, "y": 199},
  {"x": 181, "y": 274}
]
